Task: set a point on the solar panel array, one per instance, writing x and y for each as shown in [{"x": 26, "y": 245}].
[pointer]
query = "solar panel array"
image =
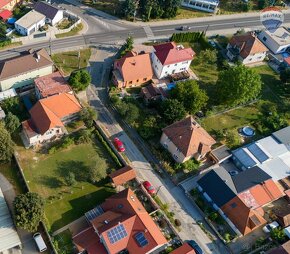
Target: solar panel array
[
  {"x": 244, "y": 158},
  {"x": 117, "y": 233},
  {"x": 258, "y": 152},
  {"x": 94, "y": 213},
  {"x": 141, "y": 239}
]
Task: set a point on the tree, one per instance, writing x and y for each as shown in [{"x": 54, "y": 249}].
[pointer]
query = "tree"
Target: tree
[
  {"x": 88, "y": 115},
  {"x": 207, "y": 56},
  {"x": 6, "y": 145},
  {"x": 29, "y": 211},
  {"x": 285, "y": 76},
  {"x": 97, "y": 171},
  {"x": 232, "y": 138},
  {"x": 70, "y": 179},
  {"x": 128, "y": 8},
  {"x": 83, "y": 136},
  {"x": 190, "y": 95},
  {"x": 263, "y": 4},
  {"x": 132, "y": 113},
  {"x": 149, "y": 127},
  {"x": 278, "y": 234},
  {"x": 170, "y": 8},
  {"x": 129, "y": 43},
  {"x": 172, "y": 111},
  {"x": 80, "y": 80},
  {"x": 237, "y": 85},
  {"x": 11, "y": 122}
]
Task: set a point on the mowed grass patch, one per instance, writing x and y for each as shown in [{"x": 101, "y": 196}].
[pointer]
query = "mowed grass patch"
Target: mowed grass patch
[
  {"x": 45, "y": 175},
  {"x": 109, "y": 6},
  {"x": 69, "y": 61},
  {"x": 72, "y": 32}
]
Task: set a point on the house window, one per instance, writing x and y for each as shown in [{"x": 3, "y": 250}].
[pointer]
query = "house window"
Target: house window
[
  {"x": 184, "y": 63},
  {"x": 144, "y": 79},
  {"x": 130, "y": 82},
  {"x": 175, "y": 64}
]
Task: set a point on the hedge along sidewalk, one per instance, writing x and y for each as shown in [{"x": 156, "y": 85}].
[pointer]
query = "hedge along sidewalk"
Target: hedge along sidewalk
[{"x": 28, "y": 190}]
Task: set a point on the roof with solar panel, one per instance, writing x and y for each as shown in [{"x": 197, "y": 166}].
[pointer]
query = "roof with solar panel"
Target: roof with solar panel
[{"x": 271, "y": 154}]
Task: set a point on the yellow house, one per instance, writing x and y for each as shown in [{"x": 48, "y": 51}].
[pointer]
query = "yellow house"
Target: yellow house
[
  {"x": 8, "y": 4},
  {"x": 21, "y": 71}
]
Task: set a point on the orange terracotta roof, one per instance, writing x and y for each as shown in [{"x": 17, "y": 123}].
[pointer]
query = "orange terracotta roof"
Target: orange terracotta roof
[
  {"x": 248, "y": 44},
  {"x": 105, "y": 219},
  {"x": 189, "y": 137},
  {"x": 47, "y": 113},
  {"x": 244, "y": 218},
  {"x": 135, "y": 219},
  {"x": 52, "y": 84},
  {"x": 170, "y": 53},
  {"x": 89, "y": 240},
  {"x": 133, "y": 67},
  {"x": 184, "y": 249},
  {"x": 3, "y": 3},
  {"x": 123, "y": 175}
]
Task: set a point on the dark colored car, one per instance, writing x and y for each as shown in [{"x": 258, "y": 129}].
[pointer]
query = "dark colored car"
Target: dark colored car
[
  {"x": 184, "y": 28},
  {"x": 195, "y": 246},
  {"x": 149, "y": 187},
  {"x": 119, "y": 145}
]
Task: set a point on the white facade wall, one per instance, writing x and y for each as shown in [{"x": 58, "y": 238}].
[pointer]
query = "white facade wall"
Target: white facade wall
[
  {"x": 25, "y": 78},
  {"x": 202, "y": 5},
  {"x": 58, "y": 17},
  {"x": 259, "y": 57},
  {"x": 162, "y": 71},
  {"x": 272, "y": 44},
  {"x": 29, "y": 30}
]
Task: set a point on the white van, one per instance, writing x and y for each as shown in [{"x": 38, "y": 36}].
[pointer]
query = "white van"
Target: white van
[{"x": 39, "y": 242}]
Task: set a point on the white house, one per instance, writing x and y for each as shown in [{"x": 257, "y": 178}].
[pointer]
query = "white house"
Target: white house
[
  {"x": 168, "y": 58},
  {"x": 246, "y": 48},
  {"x": 30, "y": 23},
  {"x": 202, "y": 5},
  {"x": 52, "y": 13},
  {"x": 278, "y": 41}
]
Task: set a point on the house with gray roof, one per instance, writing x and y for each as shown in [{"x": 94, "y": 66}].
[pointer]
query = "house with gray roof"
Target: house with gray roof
[{"x": 53, "y": 14}]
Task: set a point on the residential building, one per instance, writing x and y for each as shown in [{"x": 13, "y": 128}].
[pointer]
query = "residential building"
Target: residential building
[
  {"x": 19, "y": 72},
  {"x": 153, "y": 93},
  {"x": 220, "y": 154},
  {"x": 8, "y": 234},
  {"x": 169, "y": 58},
  {"x": 278, "y": 41},
  {"x": 239, "y": 195},
  {"x": 51, "y": 84},
  {"x": 186, "y": 139},
  {"x": 5, "y": 14},
  {"x": 184, "y": 249},
  {"x": 120, "y": 225},
  {"x": 271, "y": 154},
  {"x": 52, "y": 13},
  {"x": 283, "y": 249},
  {"x": 8, "y": 4},
  {"x": 246, "y": 48},
  {"x": 202, "y": 5},
  {"x": 123, "y": 175},
  {"x": 48, "y": 119},
  {"x": 132, "y": 70},
  {"x": 30, "y": 23},
  {"x": 283, "y": 215}
]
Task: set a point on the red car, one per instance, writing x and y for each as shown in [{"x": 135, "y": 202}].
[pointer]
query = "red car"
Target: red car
[
  {"x": 119, "y": 145},
  {"x": 149, "y": 187}
]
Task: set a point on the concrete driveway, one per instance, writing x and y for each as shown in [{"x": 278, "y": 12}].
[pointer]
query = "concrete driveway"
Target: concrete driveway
[{"x": 168, "y": 192}]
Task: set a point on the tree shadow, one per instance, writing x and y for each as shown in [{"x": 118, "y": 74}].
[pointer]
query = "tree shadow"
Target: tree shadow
[
  {"x": 79, "y": 169},
  {"x": 50, "y": 181}
]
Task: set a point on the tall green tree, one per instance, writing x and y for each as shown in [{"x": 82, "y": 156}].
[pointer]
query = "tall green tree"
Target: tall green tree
[
  {"x": 149, "y": 127},
  {"x": 11, "y": 122},
  {"x": 80, "y": 80},
  {"x": 285, "y": 76},
  {"x": 88, "y": 115},
  {"x": 170, "y": 8},
  {"x": 128, "y": 8},
  {"x": 190, "y": 95},
  {"x": 29, "y": 211},
  {"x": 237, "y": 85},
  {"x": 6, "y": 145},
  {"x": 132, "y": 113},
  {"x": 172, "y": 111}
]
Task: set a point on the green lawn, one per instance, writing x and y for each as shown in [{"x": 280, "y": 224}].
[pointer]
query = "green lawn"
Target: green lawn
[
  {"x": 64, "y": 241},
  {"x": 69, "y": 61},
  {"x": 72, "y": 32},
  {"x": 45, "y": 175}
]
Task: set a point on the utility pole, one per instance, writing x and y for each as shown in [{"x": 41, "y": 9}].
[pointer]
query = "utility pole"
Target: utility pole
[{"x": 79, "y": 58}]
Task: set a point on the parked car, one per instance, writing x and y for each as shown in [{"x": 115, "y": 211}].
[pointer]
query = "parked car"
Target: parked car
[
  {"x": 269, "y": 227},
  {"x": 39, "y": 242},
  {"x": 119, "y": 145},
  {"x": 184, "y": 28},
  {"x": 149, "y": 187},
  {"x": 195, "y": 246},
  {"x": 212, "y": 43}
]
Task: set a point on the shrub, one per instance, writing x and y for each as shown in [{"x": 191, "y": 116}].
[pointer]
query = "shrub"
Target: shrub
[
  {"x": 227, "y": 237},
  {"x": 177, "y": 222},
  {"x": 162, "y": 223},
  {"x": 52, "y": 150}
]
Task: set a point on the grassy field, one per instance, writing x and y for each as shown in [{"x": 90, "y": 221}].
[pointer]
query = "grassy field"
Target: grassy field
[
  {"x": 45, "y": 175},
  {"x": 108, "y": 6},
  {"x": 72, "y": 32},
  {"x": 68, "y": 61}
]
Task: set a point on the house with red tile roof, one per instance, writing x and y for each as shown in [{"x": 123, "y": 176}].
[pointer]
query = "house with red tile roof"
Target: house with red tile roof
[
  {"x": 51, "y": 84},
  {"x": 186, "y": 139},
  {"x": 184, "y": 249},
  {"x": 169, "y": 58},
  {"x": 132, "y": 70},
  {"x": 120, "y": 225},
  {"x": 5, "y": 14},
  {"x": 48, "y": 118},
  {"x": 123, "y": 175},
  {"x": 8, "y": 4},
  {"x": 246, "y": 48},
  {"x": 239, "y": 196}
]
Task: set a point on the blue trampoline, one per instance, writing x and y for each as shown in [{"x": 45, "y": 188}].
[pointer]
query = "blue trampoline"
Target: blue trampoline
[
  {"x": 11, "y": 21},
  {"x": 171, "y": 86}
]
